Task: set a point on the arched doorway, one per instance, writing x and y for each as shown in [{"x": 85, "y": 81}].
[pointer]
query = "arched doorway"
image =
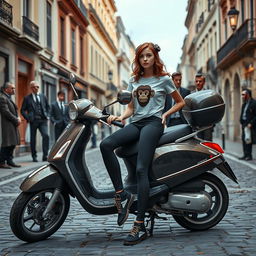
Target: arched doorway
[
  {"x": 237, "y": 106},
  {"x": 228, "y": 108}
]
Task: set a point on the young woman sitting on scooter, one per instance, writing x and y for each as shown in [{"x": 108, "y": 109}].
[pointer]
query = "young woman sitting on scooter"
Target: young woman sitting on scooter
[{"x": 149, "y": 85}]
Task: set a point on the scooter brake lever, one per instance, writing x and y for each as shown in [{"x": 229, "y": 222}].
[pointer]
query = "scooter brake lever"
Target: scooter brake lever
[{"x": 104, "y": 123}]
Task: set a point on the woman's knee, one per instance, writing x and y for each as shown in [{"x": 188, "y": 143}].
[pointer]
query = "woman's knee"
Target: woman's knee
[{"x": 106, "y": 144}]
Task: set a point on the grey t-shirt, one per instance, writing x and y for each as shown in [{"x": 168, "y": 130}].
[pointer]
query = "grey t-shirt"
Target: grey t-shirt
[{"x": 149, "y": 96}]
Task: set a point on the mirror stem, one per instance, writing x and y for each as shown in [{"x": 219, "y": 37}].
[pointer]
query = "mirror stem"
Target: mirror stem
[
  {"x": 111, "y": 103},
  {"x": 73, "y": 88}
]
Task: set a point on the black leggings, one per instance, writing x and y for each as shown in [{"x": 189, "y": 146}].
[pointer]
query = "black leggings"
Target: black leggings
[{"x": 148, "y": 132}]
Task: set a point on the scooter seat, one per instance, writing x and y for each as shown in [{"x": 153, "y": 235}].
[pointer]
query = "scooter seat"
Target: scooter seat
[{"x": 170, "y": 135}]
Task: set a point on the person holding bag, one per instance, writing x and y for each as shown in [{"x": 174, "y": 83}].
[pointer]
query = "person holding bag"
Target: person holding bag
[{"x": 248, "y": 122}]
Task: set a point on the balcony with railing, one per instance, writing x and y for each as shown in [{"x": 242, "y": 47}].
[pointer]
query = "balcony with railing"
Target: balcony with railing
[
  {"x": 30, "y": 28},
  {"x": 82, "y": 8},
  {"x": 200, "y": 22},
  {"x": 238, "y": 44},
  {"x": 6, "y": 12}
]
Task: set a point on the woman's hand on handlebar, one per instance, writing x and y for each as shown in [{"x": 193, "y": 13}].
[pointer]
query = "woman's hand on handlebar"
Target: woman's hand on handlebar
[
  {"x": 164, "y": 117},
  {"x": 112, "y": 118}
]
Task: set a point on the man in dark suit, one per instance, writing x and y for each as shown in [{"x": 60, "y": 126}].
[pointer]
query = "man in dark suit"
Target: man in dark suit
[
  {"x": 35, "y": 109},
  {"x": 176, "y": 118},
  {"x": 248, "y": 120},
  {"x": 200, "y": 82},
  {"x": 10, "y": 121},
  {"x": 59, "y": 114}
]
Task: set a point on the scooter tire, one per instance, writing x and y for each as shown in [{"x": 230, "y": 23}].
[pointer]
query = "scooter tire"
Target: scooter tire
[
  {"x": 193, "y": 222},
  {"x": 21, "y": 207}
]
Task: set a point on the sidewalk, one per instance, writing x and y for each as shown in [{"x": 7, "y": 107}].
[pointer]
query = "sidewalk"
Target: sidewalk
[
  {"x": 231, "y": 148},
  {"x": 235, "y": 148},
  {"x": 27, "y": 165}
]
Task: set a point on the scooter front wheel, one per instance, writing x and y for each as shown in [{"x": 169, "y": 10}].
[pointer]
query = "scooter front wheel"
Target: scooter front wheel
[
  {"x": 220, "y": 200},
  {"x": 26, "y": 220}
]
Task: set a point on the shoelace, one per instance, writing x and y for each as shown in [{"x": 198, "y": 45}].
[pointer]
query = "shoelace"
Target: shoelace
[
  {"x": 118, "y": 203},
  {"x": 135, "y": 230}
]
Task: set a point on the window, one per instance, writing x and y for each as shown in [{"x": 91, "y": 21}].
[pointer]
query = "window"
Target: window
[
  {"x": 26, "y": 8},
  {"x": 81, "y": 55},
  {"x": 91, "y": 68},
  {"x": 4, "y": 76},
  {"x": 73, "y": 45},
  {"x": 226, "y": 29},
  {"x": 96, "y": 63},
  {"x": 242, "y": 11},
  {"x": 215, "y": 41},
  {"x": 252, "y": 10},
  {"x": 100, "y": 67},
  {"x": 49, "y": 25},
  {"x": 62, "y": 37}
]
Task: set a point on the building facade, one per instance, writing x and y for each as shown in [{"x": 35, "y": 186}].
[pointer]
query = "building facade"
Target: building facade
[
  {"x": 227, "y": 57},
  {"x": 125, "y": 56},
  {"x": 201, "y": 43},
  {"x": 19, "y": 47},
  {"x": 46, "y": 40},
  {"x": 236, "y": 60},
  {"x": 102, "y": 51}
]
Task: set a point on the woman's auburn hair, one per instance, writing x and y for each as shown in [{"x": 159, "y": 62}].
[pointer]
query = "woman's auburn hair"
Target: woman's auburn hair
[{"x": 158, "y": 67}]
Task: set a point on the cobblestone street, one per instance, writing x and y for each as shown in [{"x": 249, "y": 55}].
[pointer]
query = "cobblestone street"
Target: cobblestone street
[{"x": 86, "y": 234}]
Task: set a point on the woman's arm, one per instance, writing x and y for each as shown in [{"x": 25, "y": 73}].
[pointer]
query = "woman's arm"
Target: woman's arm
[
  {"x": 180, "y": 103},
  {"x": 127, "y": 113}
]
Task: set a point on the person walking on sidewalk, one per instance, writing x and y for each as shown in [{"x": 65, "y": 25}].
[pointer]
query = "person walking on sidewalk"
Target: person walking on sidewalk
[
  {"x": 248, "y": 122},
  {"x": 35, "y": 109},
  {"x": 176, "y": 118},
  {"x": 10, "y": 121},
  {"x": 149, "y": 86},
  {"x": 59, "y": 114}
]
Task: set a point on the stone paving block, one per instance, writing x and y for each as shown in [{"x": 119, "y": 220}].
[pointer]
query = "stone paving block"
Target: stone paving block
[{"x": 87, "y": 234}]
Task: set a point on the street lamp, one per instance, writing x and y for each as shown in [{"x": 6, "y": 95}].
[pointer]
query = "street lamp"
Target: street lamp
[{"x": 233, "y": 18}]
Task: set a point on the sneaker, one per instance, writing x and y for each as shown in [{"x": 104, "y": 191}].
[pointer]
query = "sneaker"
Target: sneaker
[
  {"x": 137, "y": 234},
  {"x": 123, "y": 205}
]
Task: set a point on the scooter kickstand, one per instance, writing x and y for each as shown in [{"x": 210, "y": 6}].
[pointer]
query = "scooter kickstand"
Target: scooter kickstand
[{"x": 151, "y": 220}]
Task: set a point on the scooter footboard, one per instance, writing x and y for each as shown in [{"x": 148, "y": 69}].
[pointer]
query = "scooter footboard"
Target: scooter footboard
[{"x": 46, "y": 177}]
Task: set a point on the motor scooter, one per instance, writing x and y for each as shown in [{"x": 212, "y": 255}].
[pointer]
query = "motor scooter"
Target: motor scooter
[{"x": 180, "y": 182}]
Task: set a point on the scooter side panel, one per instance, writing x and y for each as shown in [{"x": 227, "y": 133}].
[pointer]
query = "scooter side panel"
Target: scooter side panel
[{"x": 176, "y": 163}]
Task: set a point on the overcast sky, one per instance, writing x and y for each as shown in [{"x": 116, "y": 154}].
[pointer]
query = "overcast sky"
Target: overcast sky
[{"x": 157, "y": 21}]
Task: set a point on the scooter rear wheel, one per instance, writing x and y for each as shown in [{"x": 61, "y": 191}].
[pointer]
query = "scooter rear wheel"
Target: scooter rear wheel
[
  {"x": 220, "y": 200},
  {"x": 26, "y": 219}
]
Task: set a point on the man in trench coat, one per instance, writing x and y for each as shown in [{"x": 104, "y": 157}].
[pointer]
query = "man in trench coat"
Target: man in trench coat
[{"x": 10, "y": 121}]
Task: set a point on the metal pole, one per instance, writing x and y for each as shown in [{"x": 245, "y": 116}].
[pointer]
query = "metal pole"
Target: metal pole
[{"x": 223, "y": 140}]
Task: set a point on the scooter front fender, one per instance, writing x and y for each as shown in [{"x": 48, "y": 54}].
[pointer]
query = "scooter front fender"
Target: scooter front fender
[{"x": 46, "y": 177}]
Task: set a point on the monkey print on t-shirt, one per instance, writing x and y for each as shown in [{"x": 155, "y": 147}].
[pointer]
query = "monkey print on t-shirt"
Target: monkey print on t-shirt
[
  {"x": 148, "y": 96},
  {"x": 143, "y": 94}
]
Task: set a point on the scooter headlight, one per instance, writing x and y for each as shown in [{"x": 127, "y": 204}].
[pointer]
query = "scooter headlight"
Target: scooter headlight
[
  {"x": 73, "y": 111},
  {"x": 78, "y": 107}
]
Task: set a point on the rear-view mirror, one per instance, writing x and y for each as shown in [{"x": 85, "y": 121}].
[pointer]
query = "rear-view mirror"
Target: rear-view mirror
[{"x": 124, "y": 97}]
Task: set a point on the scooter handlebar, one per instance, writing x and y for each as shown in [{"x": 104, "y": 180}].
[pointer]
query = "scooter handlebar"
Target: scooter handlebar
[{"x": 117, "y": 123}]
